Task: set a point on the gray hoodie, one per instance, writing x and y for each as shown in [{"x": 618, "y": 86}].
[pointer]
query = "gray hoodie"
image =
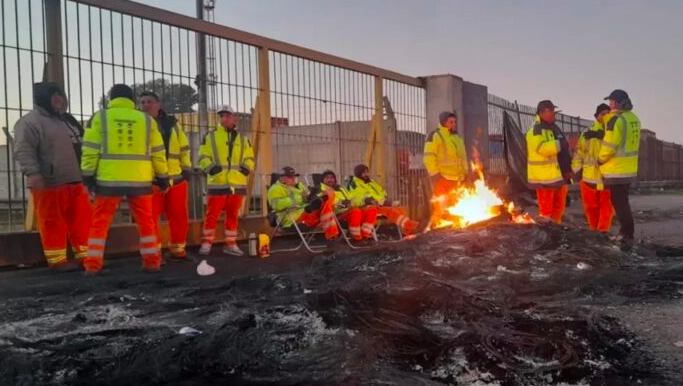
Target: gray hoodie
[{"x": 44, "y": 144}]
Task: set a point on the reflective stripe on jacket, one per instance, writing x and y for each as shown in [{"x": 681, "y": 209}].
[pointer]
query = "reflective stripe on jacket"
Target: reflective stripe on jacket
[
  {"x": 287, "y": 202},
  {"x": 618, "y": 157},
  {"x": 543, "y": 168},
  {"x": 360, "y": 190},
  {"x": 216, "y": 150},
  {"x": 444, "y": 153},
  {"x": 123, "y": 149},
  {"x": 586, "y": 157}
]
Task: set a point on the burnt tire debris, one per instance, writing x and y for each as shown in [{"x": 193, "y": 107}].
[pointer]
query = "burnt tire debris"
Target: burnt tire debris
[{"x": 499, "y": 305}]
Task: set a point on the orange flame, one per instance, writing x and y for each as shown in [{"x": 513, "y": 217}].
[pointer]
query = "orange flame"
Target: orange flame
[{"x": 468, "y": 205}]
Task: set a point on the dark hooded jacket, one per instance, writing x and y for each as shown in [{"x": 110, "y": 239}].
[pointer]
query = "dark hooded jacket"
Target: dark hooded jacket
[{"x": 44, "y": 143}]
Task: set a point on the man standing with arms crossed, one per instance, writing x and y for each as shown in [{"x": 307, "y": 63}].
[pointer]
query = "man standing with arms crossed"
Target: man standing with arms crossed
[
  {"x": 618, "y": 158},
  {"x": 174, "y": 202}
]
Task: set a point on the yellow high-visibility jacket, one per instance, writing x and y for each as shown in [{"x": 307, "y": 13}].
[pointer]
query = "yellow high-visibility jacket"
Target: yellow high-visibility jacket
[
  {"x": 618, "y": 157},
  {"x": 177, "y": 145},
  {"x": 123, "y": 149},
  {"x": 586, "y": 157},
  {"x": 216, "y": 150},
  {"x": 287, "y": 202},
  {"x": 359, "y": 190},
  {"x": 340, "y": 194},
  {"x": 543, "y": 168},
  {"x": 445, "y": 154}
]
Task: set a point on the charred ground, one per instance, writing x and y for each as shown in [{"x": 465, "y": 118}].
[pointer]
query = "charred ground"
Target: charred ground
[{"x": 505, "y": 304}]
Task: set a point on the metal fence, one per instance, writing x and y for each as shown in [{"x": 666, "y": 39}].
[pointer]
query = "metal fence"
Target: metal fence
[{"x": 299, "y": 107}]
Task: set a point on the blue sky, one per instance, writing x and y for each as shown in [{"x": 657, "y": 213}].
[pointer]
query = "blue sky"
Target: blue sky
[{"x": 573, "y": 52}]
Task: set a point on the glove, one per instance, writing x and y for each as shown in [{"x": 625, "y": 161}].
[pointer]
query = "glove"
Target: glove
[
  {"x": 591, "y": 134},
  {"x": 244, "y": 170},
  {"x": 313, "y": 206},
  {"x": 568, "y": 176},
  {"x": 90, "y": 182},
  {"x": 387, "y": 202},
  {"x": 370, "y": 201},
  {"x": 345, "y": 203},
  {"x": 215, "y": 169},
  {"x": 187, "y": 174},
  {"x": 162, "y": 183},
  {"x": 436, "y": 178}
]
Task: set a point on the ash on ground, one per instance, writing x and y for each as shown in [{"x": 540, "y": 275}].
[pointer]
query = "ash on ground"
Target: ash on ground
[{"x": 499, "y": 305}]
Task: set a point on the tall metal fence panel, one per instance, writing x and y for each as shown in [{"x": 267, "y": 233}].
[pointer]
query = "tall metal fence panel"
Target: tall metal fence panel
[{"x": 299, "y": 107}]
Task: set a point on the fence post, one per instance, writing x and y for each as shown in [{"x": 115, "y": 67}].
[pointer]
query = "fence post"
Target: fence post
[
  {"x": 265, "y": 151},
  {"x": 519, "y": 116},
  {"x": 54, "y": 68}
]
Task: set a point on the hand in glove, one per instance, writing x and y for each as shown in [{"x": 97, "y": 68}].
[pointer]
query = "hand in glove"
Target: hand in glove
[
  {"x": 90, "y": 182},
  {"x": 568, "y": 176},
  {"x": 387, "y": 202},
  {"x": 244, "y": 170},
  {"x": 187, "y": 174},
  {"x": 313, "y": 206},
  {"x": 345, "y": 203},
  {"x": 597, "y": 134},
  {"x": 163, "y": 183},
  {"x": 370, "y": 201},
  {"x": 215, "y": 169}
]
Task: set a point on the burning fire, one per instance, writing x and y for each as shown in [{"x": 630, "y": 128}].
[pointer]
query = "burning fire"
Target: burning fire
[{"x": 469, "y": 205}]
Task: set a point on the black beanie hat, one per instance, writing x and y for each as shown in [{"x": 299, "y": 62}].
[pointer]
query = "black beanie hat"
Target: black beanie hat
[
  {"x": 327, "y": 173},
  {"x": 359, "y": 170},
  {"x": 601, "y": 107}
]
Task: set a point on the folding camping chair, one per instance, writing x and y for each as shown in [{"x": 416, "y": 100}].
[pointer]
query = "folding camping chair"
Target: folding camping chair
[
  {"x": 347, "y": 183},
  {"x": 305, "y": 234},
  {"x": 314, "y": 180}
]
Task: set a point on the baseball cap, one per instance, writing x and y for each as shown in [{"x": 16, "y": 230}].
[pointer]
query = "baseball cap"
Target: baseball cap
[
  {"x": 225, "y": 109},
  {"x": 545, "y": 104},
  {"x": 618, "y": 96},
  {"x": 288, "y": 171}
]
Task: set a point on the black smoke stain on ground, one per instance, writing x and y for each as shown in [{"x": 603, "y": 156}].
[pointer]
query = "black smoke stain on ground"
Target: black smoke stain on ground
[{"x": 502, "y": 305}]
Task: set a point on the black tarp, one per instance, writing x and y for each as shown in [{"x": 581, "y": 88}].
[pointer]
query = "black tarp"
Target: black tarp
[{"x": 515, "y": 154}]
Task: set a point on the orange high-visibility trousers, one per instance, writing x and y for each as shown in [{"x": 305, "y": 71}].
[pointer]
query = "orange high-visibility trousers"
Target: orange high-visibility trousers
[
  {"x": 552, "y": 202},
  {"x": 398, "y": 216},
  {"x": 441, "y": 188},
  {"x": 597, "y": 204},
  {"x": 63, "y": 211},
  {"x": 173, "y": 203},
  {"x": 103, "y": 212},
  {"x": 231, "y": 204},
  {"x": 361, "y": 221},
  {"x": 325, "y": 217}
]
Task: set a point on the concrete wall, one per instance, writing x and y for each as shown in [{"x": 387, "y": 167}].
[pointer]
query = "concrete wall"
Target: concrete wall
[
  {"x": 476, "y": 121},
  {"x": 444, "y": 93},
  {"x": 469, "y": 100}
]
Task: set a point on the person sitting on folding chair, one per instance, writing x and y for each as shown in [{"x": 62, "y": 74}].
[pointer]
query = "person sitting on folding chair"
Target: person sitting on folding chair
[
  {"x": 366, "y": 192},
  {"x": 292, "y": 201},
  {"x": 361, "y": 220}
]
